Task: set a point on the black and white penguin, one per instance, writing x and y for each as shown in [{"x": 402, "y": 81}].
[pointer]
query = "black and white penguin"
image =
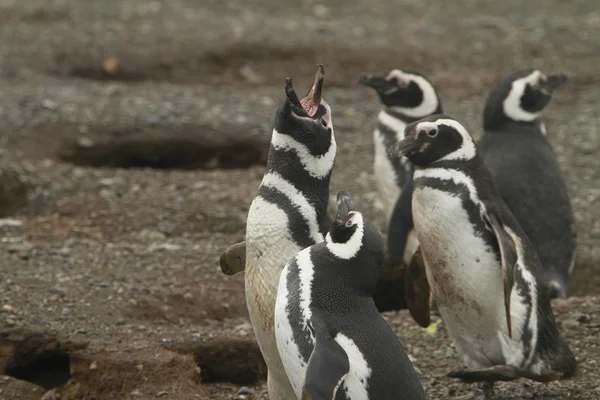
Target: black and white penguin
[
  {"x": 522, "y": 162},
  {"x": 288, "y": 214},
  {"x": 332, "y": 340},
  {"x": 478, "y": 263},
  {"x": 407, "y": 96}
]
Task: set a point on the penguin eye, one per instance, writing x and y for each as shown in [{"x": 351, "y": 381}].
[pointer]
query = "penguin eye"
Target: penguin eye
[{"x": 349, "y": 223}]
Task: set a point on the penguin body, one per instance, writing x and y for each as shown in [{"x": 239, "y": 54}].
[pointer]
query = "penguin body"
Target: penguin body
[
  {"x": 406, "y": 97},
  {"x": 288, "y": 214},
  {"x": 514, "y": 141},
  {"x": 479, "y": 264},
  {"x": 332, "y": 340}
]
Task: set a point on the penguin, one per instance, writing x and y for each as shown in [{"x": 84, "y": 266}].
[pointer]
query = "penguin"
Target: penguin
[
  {"x": 514, "y": 141},
  {"x": 407, "y": 96},
  {"x": 332, "y": 340},
  {"x": 288, "y": 213},
  {"x": 478, "y": 263}
]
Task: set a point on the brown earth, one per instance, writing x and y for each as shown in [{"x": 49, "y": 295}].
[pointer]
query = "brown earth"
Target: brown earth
[{"x": 136, "y": 132}]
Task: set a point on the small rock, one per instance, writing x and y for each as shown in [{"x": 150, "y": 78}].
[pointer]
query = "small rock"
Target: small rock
[
  {"x": 162, "y": 393},
  {"x": 9, "y": 309},
  {"x": 248, "y": 73},
  {"x": 19, "y": 247},
  {"x": 149, "y": 234},
  {"x": 135, "y": 393},
  {"x": 320, "y": 10},
  {"x": 94, "y": 365},
  {"x": 200, "y": 185},
  {"x": 11, "y": 223},
  {"x": 111, "y": 182},
  {"x": 85, "y": 143},
  {"x": 49, "y": 104},
  {"x": 245, "y": 390},
  {"x": 11, "y": 321},
  {"x": 111, "y": 65}
]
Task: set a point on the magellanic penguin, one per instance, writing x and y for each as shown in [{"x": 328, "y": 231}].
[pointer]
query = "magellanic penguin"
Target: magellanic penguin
[
  {"x": 288, "y": 214},
  {"x": 481, "y": 268},
  {"x": 524, "y": 167},
  {"x": 332, "y": 340},
  {"x": 407, "y": 96}
]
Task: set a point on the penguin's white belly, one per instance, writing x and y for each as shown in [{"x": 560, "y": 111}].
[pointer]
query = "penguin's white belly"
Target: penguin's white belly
[
  {"x": 289, "y": 352},
  {"x": 464, "y": 275},
  {"x": 385, "y": 176},
  {"x": 269, "y": 247}
]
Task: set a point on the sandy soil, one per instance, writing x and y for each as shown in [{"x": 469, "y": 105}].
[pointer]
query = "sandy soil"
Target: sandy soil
[{"x": 133, "y": 139}]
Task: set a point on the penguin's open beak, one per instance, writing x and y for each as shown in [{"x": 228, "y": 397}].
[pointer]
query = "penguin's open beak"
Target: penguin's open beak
[
  {"x": 312, "y": 100},
  {"x": 345, "y": 205},
  {"x": 378, "y": 83},
  {"x": 405, "y": 147},
  {"x": 553, "y": 82}
]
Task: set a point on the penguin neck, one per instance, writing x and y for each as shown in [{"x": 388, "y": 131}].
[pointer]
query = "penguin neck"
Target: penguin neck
[
  {"x": 287, "y": 164},
  {"x": 399, "y": 114},
  {"x": 506, "y": 124}
]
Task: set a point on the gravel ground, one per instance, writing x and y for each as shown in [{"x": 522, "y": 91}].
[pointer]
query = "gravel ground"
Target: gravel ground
[{"x": 139, "y": 129}]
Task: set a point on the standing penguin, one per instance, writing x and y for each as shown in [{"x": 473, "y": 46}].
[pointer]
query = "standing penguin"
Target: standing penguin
[
  {"x": 523, "y": 165},
  {"x": 482, "y": 269},
  {"x": 288, "y": 214},
  {"x": 406, "y": 97},
  {"x": 332, "y": 340}
]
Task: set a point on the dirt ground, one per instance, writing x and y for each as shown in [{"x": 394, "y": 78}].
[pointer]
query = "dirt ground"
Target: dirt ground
[{"x": 133, "y": 137}]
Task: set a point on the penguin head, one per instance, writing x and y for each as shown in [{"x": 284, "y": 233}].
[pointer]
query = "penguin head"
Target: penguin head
[
  {"x": 352, "y": 237},
  {"x": 406, "y": 92},
  {"x": 520, "y": 97},
  {"x": 307, "y": 121},
  {"x": 433, "y": 139}
]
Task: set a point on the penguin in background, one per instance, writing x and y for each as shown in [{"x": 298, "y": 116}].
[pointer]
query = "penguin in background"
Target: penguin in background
[
  {"x": 523, "y": 164},
  {"x": 406, "y": 96},
  {"x": 288, "y": 214},
  {"x": 332, "y": 340},
  {"x": 478, "y": 263}
]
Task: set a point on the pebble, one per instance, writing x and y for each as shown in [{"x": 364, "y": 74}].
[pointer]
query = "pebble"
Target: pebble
[
  {"x": 8, "y": 308},
  {"x": 85, "y": 143},
  {"x": 20, "y": 247},
  {"x": 94, "y": 365},
  {"x": 49, "y": 104},
  {"x": 135, "y": 393},
  {"x": 245, "y": 390},
  {"x": 161, "y": 394},
  {"x": 11, "y": 223}
]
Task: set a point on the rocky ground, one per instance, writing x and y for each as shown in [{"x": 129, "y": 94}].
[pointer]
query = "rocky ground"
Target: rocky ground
[{"x": 133, "y": 136}]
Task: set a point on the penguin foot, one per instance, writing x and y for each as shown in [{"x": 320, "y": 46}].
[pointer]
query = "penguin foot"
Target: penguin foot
[
  {"x": 557, "y": 289},
  {"x": 491, "y": 374},
  {"x": 233, "y": 259},
  {"x": 483, "y": 391}
]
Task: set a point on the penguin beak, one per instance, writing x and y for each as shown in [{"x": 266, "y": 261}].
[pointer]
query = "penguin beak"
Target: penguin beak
[
  {"x": 553, "y": 82},
  {"x": 312, "y": 100},
  {"x": 406, "y": 147},
  {"x": 291, "y": 93},
  {"x": 345, "y": 205},
  {"x": 378, "y": 83}
]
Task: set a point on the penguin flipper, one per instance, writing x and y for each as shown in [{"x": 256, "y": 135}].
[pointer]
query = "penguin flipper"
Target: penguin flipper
[
  {"x": 233, "y": 260},
  {"x": 417, "y": 290},
  {"x": 327, "y": 368},
  {"x": 401, "y": 222},
  {"x": 509, "y": 257}
]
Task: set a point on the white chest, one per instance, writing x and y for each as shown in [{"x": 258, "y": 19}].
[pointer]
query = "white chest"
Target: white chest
[{"x": 464, "y": 275}]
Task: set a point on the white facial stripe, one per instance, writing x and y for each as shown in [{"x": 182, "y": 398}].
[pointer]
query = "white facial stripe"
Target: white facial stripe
[
  {"x": 512, "y": 103},
  {"x": 319, "y": 166},
  {"x": 458, "y": 177},
  {"x": 349, "y": 249},
  {"x": 307, "y": 272},
  {"x": 274, "y": 180},
  {"x": 393, "y": 123},
  {"x": 430, "y": 101},
  {"x": 466, "y": 151},
  {"x": 356, "y": 382}
]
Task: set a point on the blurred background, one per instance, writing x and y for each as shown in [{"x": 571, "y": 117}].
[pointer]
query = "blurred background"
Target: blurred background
[{"x": 133, "y": 137}]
